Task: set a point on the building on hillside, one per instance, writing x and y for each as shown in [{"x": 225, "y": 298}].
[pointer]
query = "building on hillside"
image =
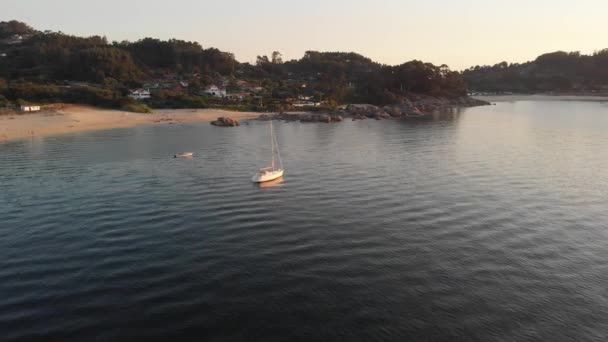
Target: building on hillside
[
  {"x": 306, "y": 104},
  {"x": 140, "y": 94},
  {"x": 214, "y": 90},
  {"x": 15, "y": 39},
  {"x": 30, "y": 108}
]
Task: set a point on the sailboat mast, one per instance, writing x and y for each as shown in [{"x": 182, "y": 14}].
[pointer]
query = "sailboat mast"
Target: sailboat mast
[
  {"x": 272, "y": 144},
  {"x": 278, "y": 152}
]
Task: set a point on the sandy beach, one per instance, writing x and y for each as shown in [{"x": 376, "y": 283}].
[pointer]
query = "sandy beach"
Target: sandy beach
[{"x": 74, "y": 118}]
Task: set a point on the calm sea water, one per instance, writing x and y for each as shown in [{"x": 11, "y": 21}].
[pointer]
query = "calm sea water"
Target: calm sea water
[{"x": 488, "y": 224}]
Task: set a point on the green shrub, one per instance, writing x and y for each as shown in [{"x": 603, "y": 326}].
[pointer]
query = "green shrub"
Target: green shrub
[
  {"x": 3, "y": 102},
  {"x": 136, "y": 108}
]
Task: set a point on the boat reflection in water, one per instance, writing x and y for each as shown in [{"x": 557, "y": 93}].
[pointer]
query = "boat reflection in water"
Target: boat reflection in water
[{"x": 275, "y": 183}]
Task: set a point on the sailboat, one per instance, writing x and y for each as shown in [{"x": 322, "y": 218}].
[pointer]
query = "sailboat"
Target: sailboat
[{"x": 271, "y": 172}]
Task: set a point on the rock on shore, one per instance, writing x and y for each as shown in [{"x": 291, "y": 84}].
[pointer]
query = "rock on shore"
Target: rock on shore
[
  {"x": 225, "y": 122},
  {"x": 418, "y": 107},
  {"x": 303, "y": 117},
  {"x": 320, "y": 118}
]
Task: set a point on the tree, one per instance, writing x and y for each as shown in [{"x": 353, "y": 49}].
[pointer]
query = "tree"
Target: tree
[
  {"x": 3, "y": 101},
  {"x": 3, "y": 85},
  {"x": 555, "y": 71},
  {"x": 14, "y": 27},
  {"x": 277, "y": 57},
  {"x": 262, "y": 60}
]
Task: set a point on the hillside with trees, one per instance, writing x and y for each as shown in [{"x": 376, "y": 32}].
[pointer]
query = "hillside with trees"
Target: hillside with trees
[
  {"x": 45, "y": 66},
  {"x": 552, "y": 72}
]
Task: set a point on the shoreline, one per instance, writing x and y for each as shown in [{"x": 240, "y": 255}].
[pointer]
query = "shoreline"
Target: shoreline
[
  {"x": 539, "y": 97},
  {"x": 78, "y": 118},
  {"x": 57, "y": 119}
]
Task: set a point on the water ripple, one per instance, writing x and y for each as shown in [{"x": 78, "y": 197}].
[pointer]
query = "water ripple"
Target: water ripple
[{"x": 489, "y": 226}]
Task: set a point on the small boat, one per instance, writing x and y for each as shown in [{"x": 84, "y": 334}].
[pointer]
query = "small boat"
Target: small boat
[
  {"x": 184, "y": 155},
  {"x": 271, "y": 172}
]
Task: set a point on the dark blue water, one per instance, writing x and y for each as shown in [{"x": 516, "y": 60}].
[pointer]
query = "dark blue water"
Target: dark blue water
[{"x": 489, "y": 224}]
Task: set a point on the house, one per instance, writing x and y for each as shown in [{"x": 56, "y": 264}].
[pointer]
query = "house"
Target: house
[
  {"x": 30, "y": 108},
  {"x": 15, "y": 39},
  {"x": 140, "y": 94},
  {"x": 306, "y": 104},
  {"x": 214, "y": 90}
]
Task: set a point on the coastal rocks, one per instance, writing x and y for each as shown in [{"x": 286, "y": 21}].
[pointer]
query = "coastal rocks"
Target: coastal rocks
[
  {"x": 337, "y": 118},
  {"x": 286, "y": 116},
  {"x": 367, "y": 110},
  {"x": 326, "y": 118},
  {"x": 413, "y": 107},
  {"x": 393, "y": 111},
  {"x": 382, "y": 115},
  {"x": 280, "y": 116},
  {"x": 225, "y": 122},
  {"x": 420, "y": 116},
  {"x": 309, "y": 118},
  {"x": 467, "y": 101}
]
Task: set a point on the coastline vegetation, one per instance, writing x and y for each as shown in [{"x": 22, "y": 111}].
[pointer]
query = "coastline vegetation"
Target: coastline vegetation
[
  {"x": 557, "y": 72},
  {"x": 47, "y": 67},
  {"x": 137, "y": 108}
]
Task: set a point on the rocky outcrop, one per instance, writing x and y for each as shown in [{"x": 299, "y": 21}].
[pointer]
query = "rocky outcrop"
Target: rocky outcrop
[
  {"x": 420, "y": 116},
  {"x": 326, "y": 118},
  {"x": 225, "y": 122},
  {"x": 467, "y": 101},
  {"x": 337, "y": 118},
  {"x": 406, "y": 107},
  {"x": 382, "y": 115},
  {"x": 281, "y": 116},
  {"x": 414, "y": 107},
  {"x": 367, "y": 110}
]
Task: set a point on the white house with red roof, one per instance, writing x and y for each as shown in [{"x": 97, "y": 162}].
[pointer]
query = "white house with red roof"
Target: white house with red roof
[{"x": 214, "y": 90}]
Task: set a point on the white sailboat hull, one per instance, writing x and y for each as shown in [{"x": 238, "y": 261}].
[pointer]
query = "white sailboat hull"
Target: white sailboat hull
[
  {"x": 267, "y": 175},
  {"x": 184, "y": 155},
  {"x": 270, "y": 173}
]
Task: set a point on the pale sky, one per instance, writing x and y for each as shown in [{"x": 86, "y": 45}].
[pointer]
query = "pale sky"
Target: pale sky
[{"x": 458, "y": 33}]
